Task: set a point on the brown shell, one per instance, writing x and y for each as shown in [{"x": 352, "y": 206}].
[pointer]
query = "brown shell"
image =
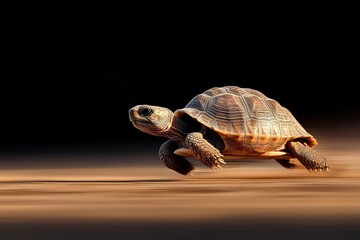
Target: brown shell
[{"x": 247, "y": 120}]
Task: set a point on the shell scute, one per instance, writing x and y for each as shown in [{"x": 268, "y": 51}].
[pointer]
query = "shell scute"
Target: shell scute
[{"x": 257, "y": 108}]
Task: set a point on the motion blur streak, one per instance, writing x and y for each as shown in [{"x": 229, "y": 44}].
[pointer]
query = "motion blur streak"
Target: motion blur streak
[{"x": 99, "y": 196}]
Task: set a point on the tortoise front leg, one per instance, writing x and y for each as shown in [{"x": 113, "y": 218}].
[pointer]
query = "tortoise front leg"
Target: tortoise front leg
[
  {"x": 177, "y": 163},
  {"x": 308, "y": 157},
  {"x": 202, "y": 150}
]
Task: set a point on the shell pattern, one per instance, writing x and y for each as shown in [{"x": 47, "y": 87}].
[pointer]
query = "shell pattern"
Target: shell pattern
[{"x": 248, "y": 121}]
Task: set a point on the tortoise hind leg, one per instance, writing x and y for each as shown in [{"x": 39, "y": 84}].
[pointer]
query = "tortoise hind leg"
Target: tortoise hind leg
[
  {"x": 177, "y": 163},
  {"x": 308, "y": 157}
]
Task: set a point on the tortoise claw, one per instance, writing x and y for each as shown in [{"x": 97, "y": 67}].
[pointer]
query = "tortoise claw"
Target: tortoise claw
[{"x": 214, "y": 163}]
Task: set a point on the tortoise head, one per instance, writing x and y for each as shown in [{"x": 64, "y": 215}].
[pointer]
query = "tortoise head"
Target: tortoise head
[{"x": 150, "y": 119}]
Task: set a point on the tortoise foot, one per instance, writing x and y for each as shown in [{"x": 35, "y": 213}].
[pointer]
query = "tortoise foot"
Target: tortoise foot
[
  {"x": 213, "y": 162},
  {"x": 309, "y": 158},
  {"x": 177, "y": 163}
]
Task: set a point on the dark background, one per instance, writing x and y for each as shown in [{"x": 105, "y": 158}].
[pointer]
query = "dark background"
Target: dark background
[{"x": 71, "y": 71}]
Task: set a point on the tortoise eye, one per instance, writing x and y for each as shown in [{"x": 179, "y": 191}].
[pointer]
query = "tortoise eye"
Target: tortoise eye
[{"x": 145, "y": 111}]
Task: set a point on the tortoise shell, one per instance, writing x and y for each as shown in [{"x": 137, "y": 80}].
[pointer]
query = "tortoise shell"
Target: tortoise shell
[{"x": 247, "y": 121}]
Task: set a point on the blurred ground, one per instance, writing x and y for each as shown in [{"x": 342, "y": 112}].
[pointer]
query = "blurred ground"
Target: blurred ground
[{"x": 129, "y": 194}]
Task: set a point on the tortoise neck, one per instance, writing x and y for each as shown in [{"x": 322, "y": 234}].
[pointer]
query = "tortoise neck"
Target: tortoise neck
[{"x": 179, "y": 130}]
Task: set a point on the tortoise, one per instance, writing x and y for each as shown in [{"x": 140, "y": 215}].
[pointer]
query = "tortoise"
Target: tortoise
[{"x": 228, "y": 121}]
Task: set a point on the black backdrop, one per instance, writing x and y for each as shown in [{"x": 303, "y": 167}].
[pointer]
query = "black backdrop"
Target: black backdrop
[{"x": 72, "y": 70}]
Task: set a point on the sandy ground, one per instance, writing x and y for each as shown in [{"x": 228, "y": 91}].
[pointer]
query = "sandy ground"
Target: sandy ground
[{"x": 129, "y": 195}]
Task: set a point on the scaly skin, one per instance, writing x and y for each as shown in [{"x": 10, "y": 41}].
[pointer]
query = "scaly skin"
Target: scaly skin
[
  {"x": 202, "y": 150},
  {"x": 177, "y": 163},
  {"x": 312, "y": 160}
]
